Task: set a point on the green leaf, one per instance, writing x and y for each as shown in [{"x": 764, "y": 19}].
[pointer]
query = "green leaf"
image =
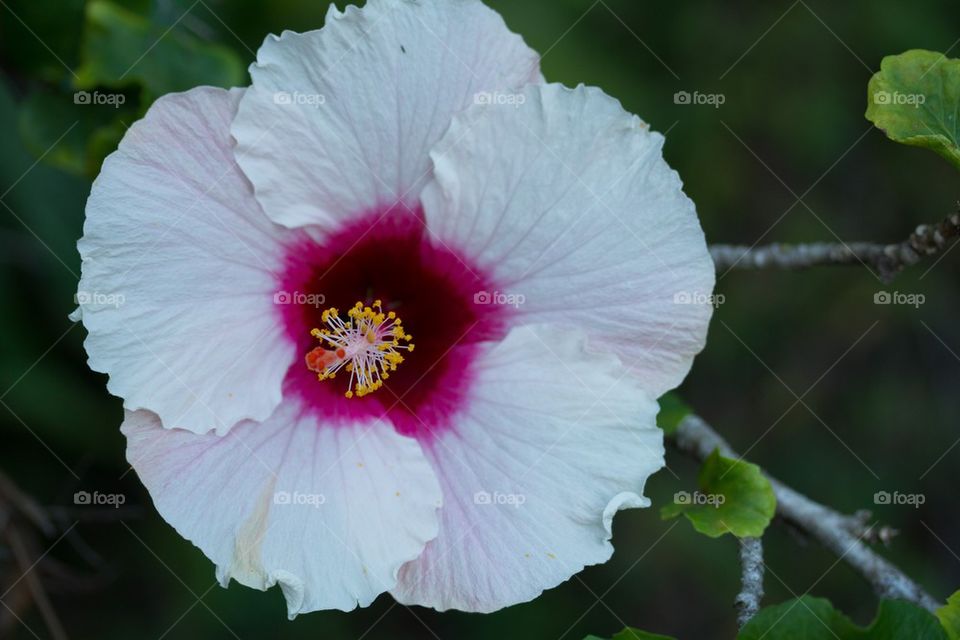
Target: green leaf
[
  {"x": 633, "y": 634},
  {"x": 810, "y": 618},
  {"x": 672, "y": 410},
  {"x": 805, "y": 618},
  {"x": 901, "y": 619},
  {"x": 734, "y": 497},
  {"x": 915, "y": 98},
  {"x": 122, "y": 48},
  {"x": 949, "y": 616}
]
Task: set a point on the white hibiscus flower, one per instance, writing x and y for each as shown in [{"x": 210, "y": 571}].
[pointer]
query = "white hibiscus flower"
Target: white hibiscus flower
[{"x": 403, "y": 169}]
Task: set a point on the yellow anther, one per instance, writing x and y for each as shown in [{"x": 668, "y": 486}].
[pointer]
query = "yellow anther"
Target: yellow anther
[{"x": 365, "y": 345}]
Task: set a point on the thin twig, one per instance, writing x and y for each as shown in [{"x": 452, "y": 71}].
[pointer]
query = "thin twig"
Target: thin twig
[
  {"x": 887, "y": 259},
  {"x": 832, "y": 529},
  {"x": 39, "y": 595},
  {"x": 24, "y": 504},
  {"x": 751, "y": 591}
]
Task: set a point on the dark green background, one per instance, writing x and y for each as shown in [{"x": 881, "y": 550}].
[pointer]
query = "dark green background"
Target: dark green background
[{"x": 796, "y": 99}]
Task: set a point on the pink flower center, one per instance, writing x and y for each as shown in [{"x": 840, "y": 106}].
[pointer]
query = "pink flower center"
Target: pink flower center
[{"x": 388, "y": 264}]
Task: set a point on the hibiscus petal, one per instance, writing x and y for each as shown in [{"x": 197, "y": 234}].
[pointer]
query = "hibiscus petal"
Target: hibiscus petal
[
  {"x": 566, "y": 199},
  {"x": 554, "y": 441},
  {"x": 178, "y": 271},
  {"x": 328, "y": 512},
  {"x": 341, "y": 120}
]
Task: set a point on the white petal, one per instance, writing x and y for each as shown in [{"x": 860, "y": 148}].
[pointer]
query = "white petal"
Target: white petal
[
  {"x": 330, "y": 512},
  {"x": 341, "y": 120},
  {"x": 177, "y": 291},
  {"x": 553, "y": 442},
  {"x": 567, "y": 200}
]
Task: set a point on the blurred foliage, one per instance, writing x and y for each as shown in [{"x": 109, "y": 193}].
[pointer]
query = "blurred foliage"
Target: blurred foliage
[
  {"x": 162, "y": 63},
  {"x": 878, "y": 384},
  {"x": 633, "y": 634},
  {"x": 126, "y": 57},
  {"x": 74, "y": 136}
]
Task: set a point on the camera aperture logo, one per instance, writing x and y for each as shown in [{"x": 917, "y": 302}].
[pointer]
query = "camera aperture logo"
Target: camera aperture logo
[
  {"x": 699, "y": 499},
  {"x": 914, "y": 300},
  {"x": 696, "y": 98},
  {"x": 515, "y": 500},
  {"x": 97, "y": 499},
  {"x": 299, "y": 499},
  {"x": 99, "y": 299},
  {"x": 296, "y": 297},
  {"x": 899, "y": 499},
  {"x": 896, "y": 98},
  {"x": 98, "y": 98},
  {"x": 296, "y": 98},
  {"x": 498, "y": 99},
  {"x": 698, "y": 297},
  {"x": 500, "y": 298}
]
